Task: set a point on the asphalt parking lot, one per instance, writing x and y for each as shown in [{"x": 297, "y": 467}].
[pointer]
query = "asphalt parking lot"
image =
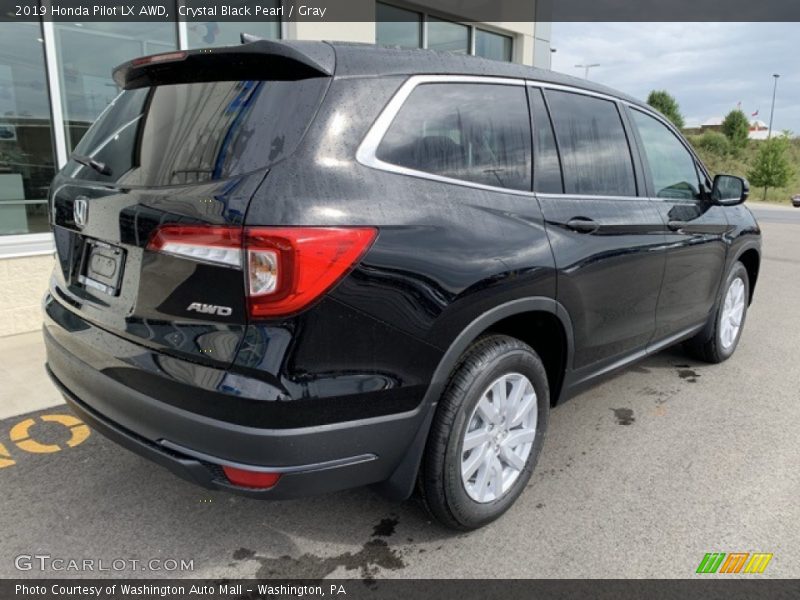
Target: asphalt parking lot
[{"x": 640, "y": 477}]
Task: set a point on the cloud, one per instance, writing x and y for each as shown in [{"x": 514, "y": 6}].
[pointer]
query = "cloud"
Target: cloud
[{"x": 708, "y": 67}]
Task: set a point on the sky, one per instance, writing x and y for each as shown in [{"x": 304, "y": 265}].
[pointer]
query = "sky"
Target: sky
[{"x": 708, "y": 67}]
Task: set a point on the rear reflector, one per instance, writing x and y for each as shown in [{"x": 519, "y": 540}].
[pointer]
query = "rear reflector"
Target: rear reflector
[
  {"x": 251, "y": 479},
  {"x": 285, "y": 268}
]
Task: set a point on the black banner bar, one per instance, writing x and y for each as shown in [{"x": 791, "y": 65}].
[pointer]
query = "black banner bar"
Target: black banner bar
[
  {"x": 364, "y": 10},
  {"x": 729, "y": 588}
]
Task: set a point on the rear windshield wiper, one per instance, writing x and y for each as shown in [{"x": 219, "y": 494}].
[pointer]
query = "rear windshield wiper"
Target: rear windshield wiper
[{"x": 88, "y": 161}]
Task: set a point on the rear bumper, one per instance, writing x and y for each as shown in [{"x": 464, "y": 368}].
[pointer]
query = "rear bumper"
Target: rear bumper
[{"x": 311, "y": 460}]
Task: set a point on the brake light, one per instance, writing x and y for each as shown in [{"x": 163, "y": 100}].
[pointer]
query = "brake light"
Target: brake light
[
  {"x": 158, "y": 58},
  {"x": 285, "y": 268},
  {"x": 251, "y": 479},
  {"x": 290, "y": 267}
]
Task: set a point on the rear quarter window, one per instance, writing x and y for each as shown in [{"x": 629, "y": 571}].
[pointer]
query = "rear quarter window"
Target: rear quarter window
[{"x": 478, "y": 133}]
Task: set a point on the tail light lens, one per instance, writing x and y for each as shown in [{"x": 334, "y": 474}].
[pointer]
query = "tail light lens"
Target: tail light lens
[
  {"x": 221, "y": 245},
  {"x": 285, "y": 268},
  {"x": 290, "y": 267}
]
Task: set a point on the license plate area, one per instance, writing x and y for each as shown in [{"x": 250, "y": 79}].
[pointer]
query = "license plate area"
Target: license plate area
[{"x": 101, "y": 267}]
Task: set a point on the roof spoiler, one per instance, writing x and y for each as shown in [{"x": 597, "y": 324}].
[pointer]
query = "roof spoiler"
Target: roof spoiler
[{"x": 255, "y": 59}]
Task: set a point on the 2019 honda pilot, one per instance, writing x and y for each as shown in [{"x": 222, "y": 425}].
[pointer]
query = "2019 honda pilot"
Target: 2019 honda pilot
[{"x": 293, "y": 268}]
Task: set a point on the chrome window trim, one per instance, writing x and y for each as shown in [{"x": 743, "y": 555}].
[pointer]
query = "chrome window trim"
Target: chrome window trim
[
  {"x": 589, "y": 196},
  {"x": 367, "y": 150},
  {"x": 366, "y": 153},
  {"x": 575, "y": 90}
]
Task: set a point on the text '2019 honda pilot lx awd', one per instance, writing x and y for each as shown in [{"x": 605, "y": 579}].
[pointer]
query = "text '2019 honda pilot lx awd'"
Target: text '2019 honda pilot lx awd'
[{"x": 293, "y": 268}]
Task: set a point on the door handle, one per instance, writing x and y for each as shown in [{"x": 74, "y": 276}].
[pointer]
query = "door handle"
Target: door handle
[
  {"x": 677, "y": 225},
  {"x": 583, "y": 225}
]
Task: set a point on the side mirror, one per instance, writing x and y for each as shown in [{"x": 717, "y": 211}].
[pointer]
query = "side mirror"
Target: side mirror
[{"x": 729, "y": 190}]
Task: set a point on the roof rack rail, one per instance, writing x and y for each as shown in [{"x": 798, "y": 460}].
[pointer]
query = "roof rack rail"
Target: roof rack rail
[{"x": 246, "y": 38}]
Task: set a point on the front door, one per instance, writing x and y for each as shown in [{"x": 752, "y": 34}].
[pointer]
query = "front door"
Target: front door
[{"x": 694, "y": 228}]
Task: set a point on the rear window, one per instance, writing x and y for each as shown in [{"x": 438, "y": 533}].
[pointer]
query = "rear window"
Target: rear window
[
  {"x": 474, "y": 132},
  {"x": 198, "y": 132}
]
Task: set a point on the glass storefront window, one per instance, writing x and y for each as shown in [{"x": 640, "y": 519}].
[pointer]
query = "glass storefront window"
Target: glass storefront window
[
  {"x": 214, "y": 33},
  {"x": 397, "y": 26},
  {"x": 448, "y": 36},
  {"x": 87, "y": 54},
  {"x": 26, "y": 147},
  {"x": 492, "y": 45}
]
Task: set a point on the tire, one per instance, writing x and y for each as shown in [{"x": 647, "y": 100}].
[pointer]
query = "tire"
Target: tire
[
  {"x": 715, "y": 344},
  {"x": 504, "y": 363}
]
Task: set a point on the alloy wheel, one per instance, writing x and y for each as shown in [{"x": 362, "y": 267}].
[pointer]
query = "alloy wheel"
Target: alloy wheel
[{"x": 499, "y": 437}]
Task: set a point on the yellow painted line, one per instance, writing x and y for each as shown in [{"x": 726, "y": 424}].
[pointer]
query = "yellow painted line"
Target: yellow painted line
[{"x": 5, "y": 458}]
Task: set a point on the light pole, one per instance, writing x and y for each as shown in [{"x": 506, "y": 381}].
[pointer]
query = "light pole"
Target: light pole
[
  {"x": 772, "y": 110},
  {"x": 771, "y": 113},
  {"x": 586, "y": 69}
]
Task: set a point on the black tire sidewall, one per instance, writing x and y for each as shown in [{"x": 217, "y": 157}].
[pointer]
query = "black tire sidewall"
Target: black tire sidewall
[
  {"x": 737, "y": 271},
  {"x": 463, "y": 508}
]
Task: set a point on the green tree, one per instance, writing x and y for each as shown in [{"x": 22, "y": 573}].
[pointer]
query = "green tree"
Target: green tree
[
  {"x": 771, "y": 167},
  {"x": 736, "y": 128},
  {"x": 662, "y": 101},
  {"x": 711, "y": 141}
]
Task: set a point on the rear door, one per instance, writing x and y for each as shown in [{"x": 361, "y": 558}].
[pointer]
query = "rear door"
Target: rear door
[
  {"x": 693, "y": 226},
  {"x": 190, "y": 154},
  {"x": 606, "y": 236}
]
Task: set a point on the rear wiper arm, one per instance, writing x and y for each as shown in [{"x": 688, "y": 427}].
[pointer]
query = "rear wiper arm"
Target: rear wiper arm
[{"x": 88, "y": 161}]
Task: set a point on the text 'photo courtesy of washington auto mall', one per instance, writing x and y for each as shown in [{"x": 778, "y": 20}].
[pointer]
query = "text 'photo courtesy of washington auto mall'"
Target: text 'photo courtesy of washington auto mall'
[{"x": 381, "y": 298}]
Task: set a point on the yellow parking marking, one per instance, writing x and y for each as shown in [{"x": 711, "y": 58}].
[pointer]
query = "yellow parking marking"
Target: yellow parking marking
[
  {"x": 79, "y": 431},
  {"x": 20, "y": 434},
  {"x": 5, "y": 458}
]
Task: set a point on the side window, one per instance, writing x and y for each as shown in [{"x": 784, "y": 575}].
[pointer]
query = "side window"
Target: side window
[
  {"x": 594, "y": 149},
  {"x": 546, "y": 166},
  {"x": 469, "y": 131},
  {"x": 672, "y": 167}
]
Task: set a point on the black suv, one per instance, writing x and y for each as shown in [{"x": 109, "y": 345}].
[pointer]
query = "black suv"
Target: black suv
[{"x": 292, "y": 268}]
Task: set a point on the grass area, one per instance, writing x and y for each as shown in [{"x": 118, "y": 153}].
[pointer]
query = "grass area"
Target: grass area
[{"x": 721, "y": 160}]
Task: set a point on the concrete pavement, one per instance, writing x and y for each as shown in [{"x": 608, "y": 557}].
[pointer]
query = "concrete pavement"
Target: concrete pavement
[{"x": 639, "y": 477}]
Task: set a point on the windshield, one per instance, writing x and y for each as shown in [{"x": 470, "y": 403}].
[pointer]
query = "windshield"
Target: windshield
[{"x": 197, "y": 132}]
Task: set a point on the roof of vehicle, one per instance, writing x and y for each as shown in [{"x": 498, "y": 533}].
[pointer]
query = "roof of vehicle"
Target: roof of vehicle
[
  {"x": 368, "y": 60},
  {"x": 299, "y": 59}
]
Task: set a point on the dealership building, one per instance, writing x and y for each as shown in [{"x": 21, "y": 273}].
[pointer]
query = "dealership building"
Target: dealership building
[{"x": 55, "y": 79}]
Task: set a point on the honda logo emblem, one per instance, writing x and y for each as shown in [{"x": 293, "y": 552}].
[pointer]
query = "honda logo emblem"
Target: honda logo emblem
[{"x": 80, "y": 212}]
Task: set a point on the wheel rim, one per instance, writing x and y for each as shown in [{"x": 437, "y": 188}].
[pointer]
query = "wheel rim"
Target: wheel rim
[
  {"x": 499, "y": 437},
  {"x": 732, "y": 313}
]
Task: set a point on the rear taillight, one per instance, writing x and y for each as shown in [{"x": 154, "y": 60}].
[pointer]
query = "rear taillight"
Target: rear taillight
[
  {"x": 285, "y": 268},
  {"x": 289, "y": 268},
  {"x": 221, "y": 245}
]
